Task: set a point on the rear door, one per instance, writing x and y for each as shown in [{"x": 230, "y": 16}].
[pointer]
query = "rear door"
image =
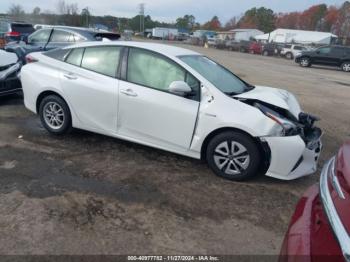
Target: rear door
[
  {"x": 89, "y": 81},
  {"x": 337, "y": 55},
  {"x": 150, "y": 114}
]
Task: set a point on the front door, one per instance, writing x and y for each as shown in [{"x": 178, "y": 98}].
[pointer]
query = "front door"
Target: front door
[
  {"x": 322, "y": 56},
  {"x": 150, "y": 114}
]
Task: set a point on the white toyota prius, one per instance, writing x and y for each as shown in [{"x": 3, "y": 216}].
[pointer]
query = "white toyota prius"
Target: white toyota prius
[{"x": 173, "y": 99}]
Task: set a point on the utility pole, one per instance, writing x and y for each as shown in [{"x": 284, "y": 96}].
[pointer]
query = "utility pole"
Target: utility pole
[{"x": 142, "y": 17}]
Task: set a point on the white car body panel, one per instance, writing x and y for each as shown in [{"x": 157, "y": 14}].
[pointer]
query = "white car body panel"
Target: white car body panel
[
  {"x": 156, "y": 117},
  {"x": 139, "y": 114},
  {"x": 7, "y": 58},
  {"x": 94, "y": 96}
]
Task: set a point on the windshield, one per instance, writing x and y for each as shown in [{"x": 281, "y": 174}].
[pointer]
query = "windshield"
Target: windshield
[{"x": 216, "y": 74}]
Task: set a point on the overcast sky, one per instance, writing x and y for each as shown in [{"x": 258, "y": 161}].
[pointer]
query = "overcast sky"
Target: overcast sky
[{"x": 169, "y": 10}]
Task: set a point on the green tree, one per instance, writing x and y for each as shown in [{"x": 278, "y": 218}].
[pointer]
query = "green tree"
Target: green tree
[
  {"x": 261, "y": 18},
  {"x": 187, "y": 22}
]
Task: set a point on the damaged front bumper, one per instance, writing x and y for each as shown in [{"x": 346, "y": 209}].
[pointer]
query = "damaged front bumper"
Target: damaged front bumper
[{"x": 292, "y": 157}]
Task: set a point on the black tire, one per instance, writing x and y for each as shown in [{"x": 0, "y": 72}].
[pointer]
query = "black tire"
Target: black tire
[
  {"x": 289, "y": 55},
  {"x": 346, "y": 66},
  {"x": 305, "y": 62},
  {"x": 265, "y": 53},
  {"x": 66, "y": 125},
  {"x": 247, "y": 167}
]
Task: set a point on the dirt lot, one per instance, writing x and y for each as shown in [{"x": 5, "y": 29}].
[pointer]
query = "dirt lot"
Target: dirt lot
[{"x": 89, "y": 194}]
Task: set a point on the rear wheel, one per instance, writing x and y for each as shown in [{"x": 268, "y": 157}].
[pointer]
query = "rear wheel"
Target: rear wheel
[
  {"x": 305, "y": 62},
  {"x": 265, "y": 53},
  {"x": 55, "y": 115},
  {"x": 346, "y": 66},
  {"x": 233, "y": 156}
]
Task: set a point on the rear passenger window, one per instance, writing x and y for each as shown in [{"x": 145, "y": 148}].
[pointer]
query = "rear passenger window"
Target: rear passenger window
[
  {"x": 103, "y": 60},
  {"x": 75, "y": 56},
  {"x": 298, "y": 48}
]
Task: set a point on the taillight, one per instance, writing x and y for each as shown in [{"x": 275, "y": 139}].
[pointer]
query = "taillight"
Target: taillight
[
  {"x": 12, "y": 34},
  {"x": 30, "y": 59}
]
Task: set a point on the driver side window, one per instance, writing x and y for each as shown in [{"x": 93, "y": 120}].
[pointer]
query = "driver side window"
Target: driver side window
[
  {"x": 151, "y": 70},
  {"x": 324, "y": 50}
]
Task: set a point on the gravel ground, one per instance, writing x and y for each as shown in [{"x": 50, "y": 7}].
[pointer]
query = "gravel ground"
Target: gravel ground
[{"x": 89, "y": 194}]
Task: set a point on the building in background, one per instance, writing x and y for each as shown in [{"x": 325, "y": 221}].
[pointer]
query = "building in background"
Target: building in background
[
  {"x": 298, "y": 36},
  {"x": 245, "y": 34}
]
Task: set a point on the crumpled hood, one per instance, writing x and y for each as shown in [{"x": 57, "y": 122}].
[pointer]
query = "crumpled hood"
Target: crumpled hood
[{"x": 274, "y": 96}]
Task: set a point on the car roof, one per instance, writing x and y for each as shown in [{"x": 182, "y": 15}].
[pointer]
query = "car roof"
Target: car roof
[{"x": 164, "y": 49}]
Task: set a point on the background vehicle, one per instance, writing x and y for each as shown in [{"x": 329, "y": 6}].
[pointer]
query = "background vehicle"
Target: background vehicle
[
  {"x": 337, "y": 56},
  {"x": 320, "y": 226},
  {"x": 241, "y": 46},
  {"x": 164, "y": 33},
  {"x": 9, "y": 70},
  {"x": 291, "y": 51},
  {"x": 255, "y": 48},
  {"x": 271, "y": 49},
  {"x": 173, "y": 99},
  {"x": 14, "y": 31},
  {"x": 56, "y": 37},
  {"x": 211, "y": 42}
]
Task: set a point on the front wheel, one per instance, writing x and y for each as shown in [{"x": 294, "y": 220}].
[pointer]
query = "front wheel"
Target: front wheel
[
  {"x": 346, "y": 66},
  {"x": 55, "y": 115},
  {"x": 305, "y": 62},
  {"x": 289, "y": 56},
  {"x": 233, "y": 156}
]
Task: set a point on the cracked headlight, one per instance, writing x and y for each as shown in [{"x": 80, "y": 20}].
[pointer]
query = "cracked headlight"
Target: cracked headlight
[{"x": 284, "y": 126}]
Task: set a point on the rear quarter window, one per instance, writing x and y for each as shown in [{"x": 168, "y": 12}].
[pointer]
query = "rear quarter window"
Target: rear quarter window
[
  {"x": 58, "y": 54},
  {"x": 75, "y": 56}
]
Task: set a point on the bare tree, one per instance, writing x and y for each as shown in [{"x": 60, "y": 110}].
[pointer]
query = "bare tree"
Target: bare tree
[
  {"x": 72, "y": 9},
  {"x": 16, "y": 10},
  {"x": 61, "y": 7},
  {"x": 36, "y": 11}
]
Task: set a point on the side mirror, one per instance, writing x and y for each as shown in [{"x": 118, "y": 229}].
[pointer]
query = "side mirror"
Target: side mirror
[
  {"x": 179, "y": 88},
  {"x": 318, "y": 52}
]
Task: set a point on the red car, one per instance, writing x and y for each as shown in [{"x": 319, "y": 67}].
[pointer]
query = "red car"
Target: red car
[
  {"x": 255, "y": 48},
  {"x": 320, "y": 226}
]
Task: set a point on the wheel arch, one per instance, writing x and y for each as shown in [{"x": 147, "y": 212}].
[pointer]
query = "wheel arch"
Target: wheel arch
[
  {"x": 263, "y": 147},
  {"x": 46, "y": 93}
]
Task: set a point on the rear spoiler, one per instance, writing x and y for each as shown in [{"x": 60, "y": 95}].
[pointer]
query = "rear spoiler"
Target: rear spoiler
[{"x": 109, "y": 36}]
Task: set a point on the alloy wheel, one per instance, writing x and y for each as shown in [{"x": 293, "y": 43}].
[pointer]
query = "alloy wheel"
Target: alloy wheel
[
  {"x": 346, "y": 67},
  {"x": 304, "y": 62},
  {"x": 54, "y": 115},
  {"x": 231, "y": 157}
]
